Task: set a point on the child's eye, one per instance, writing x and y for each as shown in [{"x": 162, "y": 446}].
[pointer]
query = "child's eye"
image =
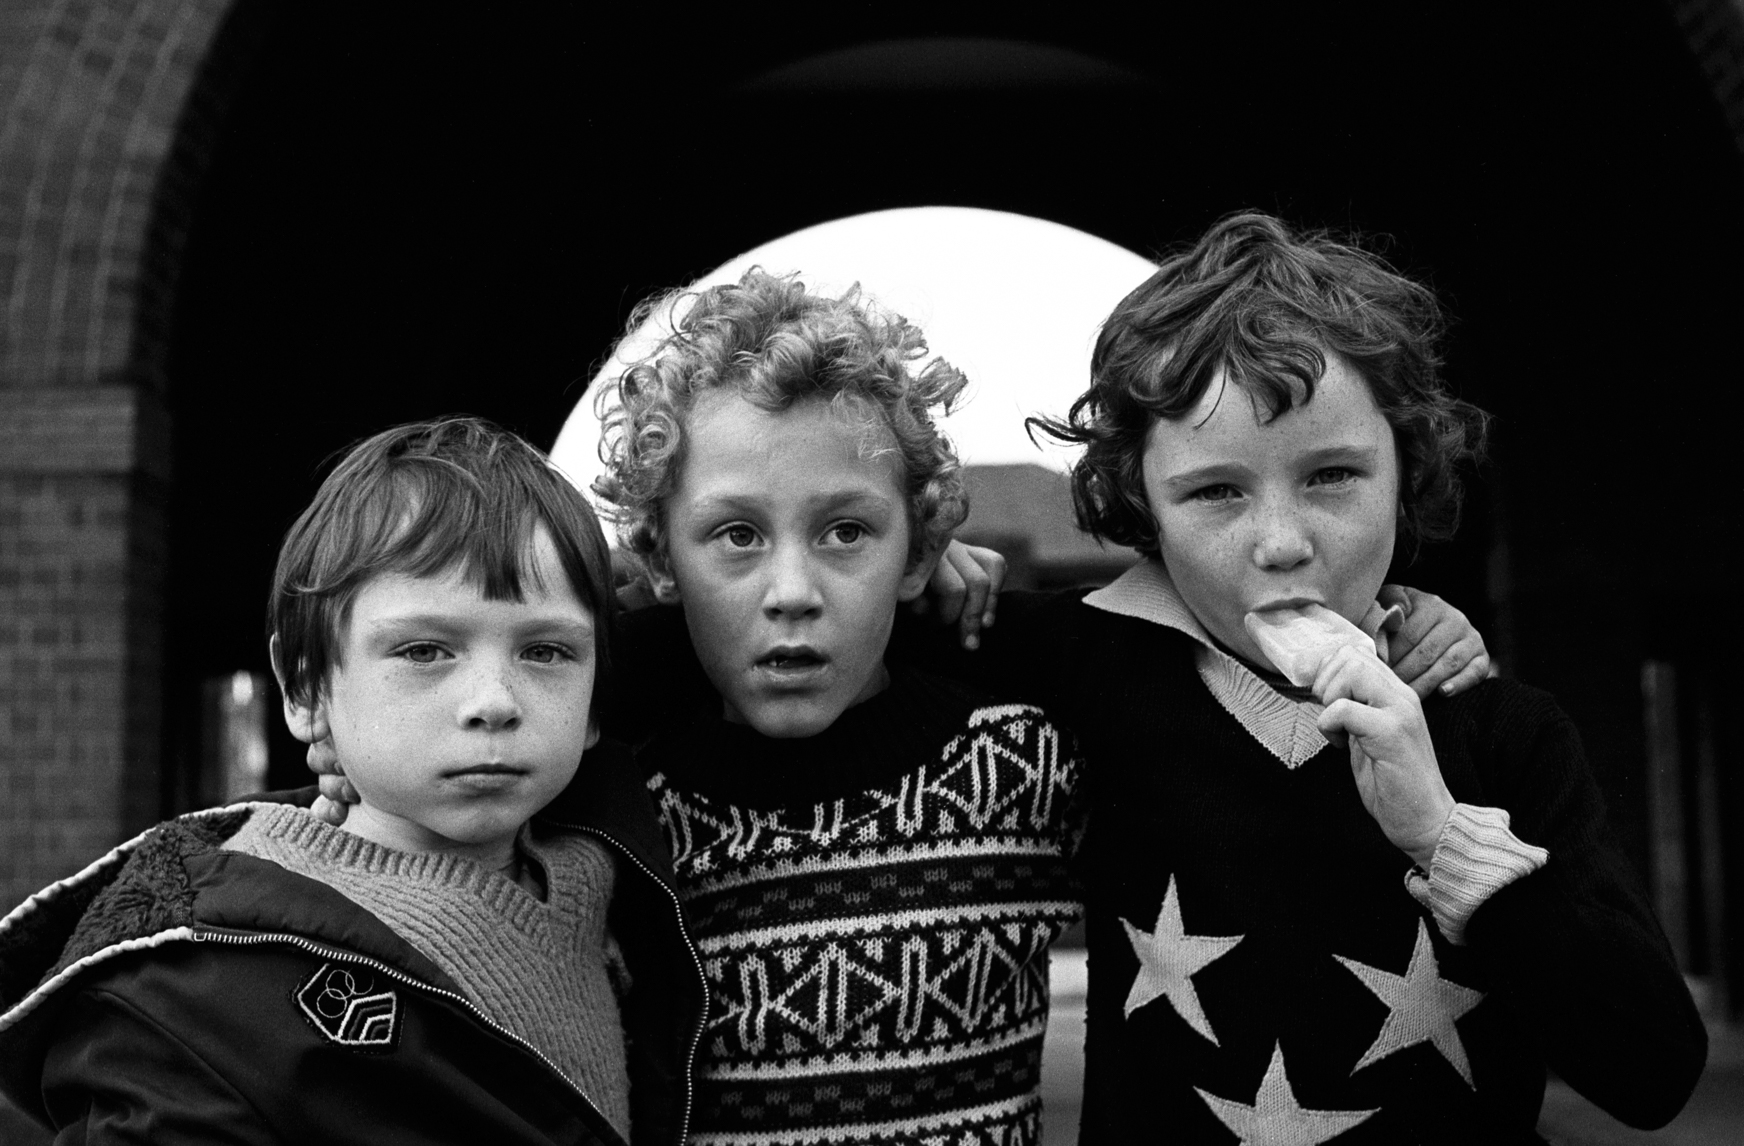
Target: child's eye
[
  {"x": 847, "y": 532},
  {"x": 1334, "y": 475},
  {"x": 739, "y": 536},
  {"x": 423, "y": 654},
  {"x": 548, "y": 654},
  {"x": 1214, "y": 493}
]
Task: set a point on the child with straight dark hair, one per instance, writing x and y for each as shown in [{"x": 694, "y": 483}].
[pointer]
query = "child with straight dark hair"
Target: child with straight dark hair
[
  {"x": 489, "y": 949},
  {"x": 1319, "y": 907}
]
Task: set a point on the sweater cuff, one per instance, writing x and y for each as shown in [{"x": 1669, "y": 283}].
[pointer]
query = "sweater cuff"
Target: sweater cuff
[{"x": 1476, "y": 856}]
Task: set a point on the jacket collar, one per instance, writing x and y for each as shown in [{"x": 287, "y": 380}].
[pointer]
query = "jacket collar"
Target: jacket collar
[
  {"x": 608, "y": 797},
  {"x": 171, "y": 884},
  {"x": 1286, "y": 728}
]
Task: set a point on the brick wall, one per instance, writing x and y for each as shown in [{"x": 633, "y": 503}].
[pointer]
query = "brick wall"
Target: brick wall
[{"x": 106, "y": 113}]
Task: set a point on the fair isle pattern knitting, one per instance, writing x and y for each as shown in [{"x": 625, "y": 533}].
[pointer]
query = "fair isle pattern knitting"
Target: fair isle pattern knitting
[{"x": 878, "y": 961}]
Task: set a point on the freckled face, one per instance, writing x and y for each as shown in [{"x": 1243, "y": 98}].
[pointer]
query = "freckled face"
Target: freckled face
[
  {"x": 458, "y": 718},
  {"x": 788, "y": 544},
  {"x": 1253, "y": 514}
]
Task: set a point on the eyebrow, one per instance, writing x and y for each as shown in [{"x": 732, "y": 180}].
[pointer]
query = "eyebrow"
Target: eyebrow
[
  {"x": 1202, "y": 475},
  {"x": 443, "y": 623},
  {"x": 832, "y": 500},
  {"x": 1313, "y": 459},
  {"x": 1339, "y": 453}
]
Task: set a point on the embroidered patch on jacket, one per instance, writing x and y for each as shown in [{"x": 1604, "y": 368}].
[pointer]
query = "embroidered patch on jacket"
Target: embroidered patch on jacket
[{"x": 343, "y": 1003}]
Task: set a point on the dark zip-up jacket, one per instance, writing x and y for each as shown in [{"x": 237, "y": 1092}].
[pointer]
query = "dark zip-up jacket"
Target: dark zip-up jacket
[{"x": 176, "y": 992}]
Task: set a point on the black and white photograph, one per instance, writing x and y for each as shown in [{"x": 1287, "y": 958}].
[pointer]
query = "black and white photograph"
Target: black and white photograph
[{"x": 888, "y": 574}]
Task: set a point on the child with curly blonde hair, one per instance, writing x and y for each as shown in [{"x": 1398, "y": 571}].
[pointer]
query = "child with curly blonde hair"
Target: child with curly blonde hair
[{"x": 874, "y": 860}]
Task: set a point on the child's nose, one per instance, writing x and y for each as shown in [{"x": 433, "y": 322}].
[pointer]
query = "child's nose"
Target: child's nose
[
  {"x": 793, "y": 588},
  {"x": 490, "y": 704},
  {"x": 1282, "y": 540}
]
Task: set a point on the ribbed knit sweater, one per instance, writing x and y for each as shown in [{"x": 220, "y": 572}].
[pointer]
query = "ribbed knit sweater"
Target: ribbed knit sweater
[
  {"x": 873, "y": 906},
  {"x": 543, "y": 969}
]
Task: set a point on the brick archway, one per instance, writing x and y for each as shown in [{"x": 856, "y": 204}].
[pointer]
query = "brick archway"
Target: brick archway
[
  {"x": 107, "y": 112},
  {"x": 107, "y": 109}
]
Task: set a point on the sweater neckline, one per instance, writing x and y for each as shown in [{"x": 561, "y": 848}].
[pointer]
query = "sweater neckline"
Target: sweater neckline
[
  {"x": 1285, "y": 727},
  {"x": 869, "y": 746},
  {"x": 335, "y": 847}
]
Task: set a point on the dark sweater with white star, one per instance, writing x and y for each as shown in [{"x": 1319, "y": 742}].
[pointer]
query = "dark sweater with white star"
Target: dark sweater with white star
[
  {"x": 1254, "y": 951},
  {"x": 873, "y": 906}
]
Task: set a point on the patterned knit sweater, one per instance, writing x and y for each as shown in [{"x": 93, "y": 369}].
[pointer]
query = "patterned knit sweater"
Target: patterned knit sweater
[
  {"x": 873, "y": 906},
  {"x": 543, "y": 969}
]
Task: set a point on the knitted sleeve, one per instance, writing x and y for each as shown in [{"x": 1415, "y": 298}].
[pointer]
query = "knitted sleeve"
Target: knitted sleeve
[
  {"x": 1476, "y": 856},
  {"x": 1576, "y": 943}
]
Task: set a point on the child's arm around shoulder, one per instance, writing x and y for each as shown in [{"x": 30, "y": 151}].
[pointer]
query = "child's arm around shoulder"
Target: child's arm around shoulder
[{"x": 1437, "y": 648}]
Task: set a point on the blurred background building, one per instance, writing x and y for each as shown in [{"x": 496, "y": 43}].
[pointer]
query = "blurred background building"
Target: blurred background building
[{"x": 236, "y": 235}]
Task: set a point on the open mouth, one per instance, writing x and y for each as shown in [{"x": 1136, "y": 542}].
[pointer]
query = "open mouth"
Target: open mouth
[
  {"x": 1285, "y": 603},
  {"x": 791, "y": 659}
]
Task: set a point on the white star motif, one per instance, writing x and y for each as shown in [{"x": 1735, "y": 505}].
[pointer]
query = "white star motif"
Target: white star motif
[
  {"x": 1276, "y": 1118},
  {"x": 1168, "y": 958},
  {"x": 1422, "y": 1007}
]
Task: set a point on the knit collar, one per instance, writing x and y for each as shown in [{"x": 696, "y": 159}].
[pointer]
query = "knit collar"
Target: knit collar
[
  {"x": 318, "y": 847},
  {"x": 1286, "y": 728},
  {"x": 870, "y": 746}
]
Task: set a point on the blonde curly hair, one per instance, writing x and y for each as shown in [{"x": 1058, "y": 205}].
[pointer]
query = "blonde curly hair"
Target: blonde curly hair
[{"x": 769, "y": 340}]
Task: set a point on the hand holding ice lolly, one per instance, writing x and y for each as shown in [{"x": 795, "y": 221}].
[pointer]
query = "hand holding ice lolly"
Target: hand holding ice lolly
[
  {"x": 1391, "y": 754},
  {"x": 1300, "y": 641}
]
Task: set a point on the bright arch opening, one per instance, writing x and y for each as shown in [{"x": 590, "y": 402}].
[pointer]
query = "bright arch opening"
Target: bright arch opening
[{"x": 1012, "y": 301}]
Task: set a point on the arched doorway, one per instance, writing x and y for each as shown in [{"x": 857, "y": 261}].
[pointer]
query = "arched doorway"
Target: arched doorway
[{"x": 400, "y": 213}]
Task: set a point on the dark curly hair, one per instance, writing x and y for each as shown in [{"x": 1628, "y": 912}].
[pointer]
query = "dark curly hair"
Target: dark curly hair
[
  {"x": 1265, "y": 304},
  {"x": 770, "y": 340}
]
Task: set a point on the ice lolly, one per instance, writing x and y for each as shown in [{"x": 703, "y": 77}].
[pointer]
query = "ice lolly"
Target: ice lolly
[{"x": 1299, "y": 640}]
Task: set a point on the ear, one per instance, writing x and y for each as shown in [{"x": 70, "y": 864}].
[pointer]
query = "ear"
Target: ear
[
  {"x": 593, "y": 732},
  {"x": 914, "y": 582},
  {"x": 307, "y": 723}
]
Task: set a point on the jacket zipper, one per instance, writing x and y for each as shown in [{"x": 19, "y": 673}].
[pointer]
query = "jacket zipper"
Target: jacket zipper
[
  {"x": 392, "y": 972},
  {"x": 696, "y": 961}
]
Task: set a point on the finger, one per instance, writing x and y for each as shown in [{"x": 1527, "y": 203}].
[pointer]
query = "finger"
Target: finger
[
  {"x": 947, "y": 591},
  {"x": 976, "y": 583},
  {"x": 1391, "y": 595},
  {"x": 329, "y": 812},
  {"x": 1420, "y": 650},
  {"x": 1459, "y": 656},
  {"x": 995, "y": 582},
  {"x": 1354, "y": 719},
  {"x": 322, "y": 759},
  {"x": 1475, "y": 672},
  {"x": 1424, "y": 611},
  {"x": 1358, "y": 675}
]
